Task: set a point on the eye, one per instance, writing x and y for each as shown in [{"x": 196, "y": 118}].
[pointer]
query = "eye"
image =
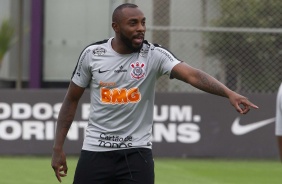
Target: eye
[{"x": 132, "y": 23}]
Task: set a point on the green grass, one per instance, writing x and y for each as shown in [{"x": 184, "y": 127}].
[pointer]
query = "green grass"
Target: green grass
[
  {"x": 37, "y": 170},
  {"x": 217, "y": 172}
]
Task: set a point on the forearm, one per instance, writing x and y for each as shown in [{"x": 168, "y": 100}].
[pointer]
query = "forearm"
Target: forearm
[
  {"x": 200, "y": 80},
  {"x": 64, "y": 122},
  {"x": 207, "y": 83}
]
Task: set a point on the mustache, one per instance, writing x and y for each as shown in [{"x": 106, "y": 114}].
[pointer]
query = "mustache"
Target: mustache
[{"x": 140, "y": 35}]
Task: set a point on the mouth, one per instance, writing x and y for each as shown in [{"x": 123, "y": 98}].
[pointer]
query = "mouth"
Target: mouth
[{"x": 138, "y": 39}]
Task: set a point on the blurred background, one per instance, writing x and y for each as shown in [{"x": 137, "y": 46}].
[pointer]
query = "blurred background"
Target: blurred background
[
  {"x": 236, "y": 41},
  {"x": 239, "y": 42}
]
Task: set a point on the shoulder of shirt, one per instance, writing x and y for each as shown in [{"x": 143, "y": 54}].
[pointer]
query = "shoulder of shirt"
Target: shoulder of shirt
[
  {"x": 157, "y": 48},
  {"x": 154, "y": 46},
  {"x": 151, "y": 45},
  {"x": 98, "y": 43},
  {"x": 92, "y": 46}
]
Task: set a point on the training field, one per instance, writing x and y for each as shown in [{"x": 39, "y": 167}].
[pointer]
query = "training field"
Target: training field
[{"x": 37, "y": 170}]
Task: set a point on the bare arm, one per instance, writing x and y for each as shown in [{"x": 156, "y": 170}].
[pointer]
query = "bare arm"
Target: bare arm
[
  {"x": 207, "y": 83},
  {"x": 66, "y": 116}
]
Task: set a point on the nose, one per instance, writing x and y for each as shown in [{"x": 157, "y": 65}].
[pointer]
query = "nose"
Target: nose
[{"x": 141, "y": 27}]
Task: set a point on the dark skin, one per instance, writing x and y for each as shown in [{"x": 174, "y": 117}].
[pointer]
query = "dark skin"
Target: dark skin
[
  {"x": 205, "y": 82},
  {"x": 129, "y": 27},
  {"x": 64, "y": 122}
]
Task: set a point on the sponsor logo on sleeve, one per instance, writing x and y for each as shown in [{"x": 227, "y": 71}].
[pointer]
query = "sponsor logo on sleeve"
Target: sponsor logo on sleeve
[{"x": 99, "y": 51}]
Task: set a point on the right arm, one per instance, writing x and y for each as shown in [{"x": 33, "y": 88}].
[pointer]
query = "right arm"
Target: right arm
[{"x": 65, "y": 119}]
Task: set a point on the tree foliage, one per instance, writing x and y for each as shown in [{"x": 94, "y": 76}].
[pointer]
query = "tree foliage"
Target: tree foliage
[
  {"x": 254, "y": 59},
  {"x": 6, "y": 35}
]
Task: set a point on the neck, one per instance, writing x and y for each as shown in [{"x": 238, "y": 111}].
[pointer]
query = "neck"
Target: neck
[{"x": 120, "y": 47}]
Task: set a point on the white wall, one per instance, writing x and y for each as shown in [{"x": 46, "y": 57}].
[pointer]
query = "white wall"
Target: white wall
[{"x": 71, "y": 25}]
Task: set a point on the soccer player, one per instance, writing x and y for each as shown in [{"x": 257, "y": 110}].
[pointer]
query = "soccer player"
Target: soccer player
[
  {"x": 122, "y": 72},
  {"x": 278, "y": 122}
]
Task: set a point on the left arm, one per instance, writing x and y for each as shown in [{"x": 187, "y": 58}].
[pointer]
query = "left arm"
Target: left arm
[{"x": 207, "y": 83}]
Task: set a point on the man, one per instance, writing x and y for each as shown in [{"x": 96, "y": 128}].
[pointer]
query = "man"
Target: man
[
  {"x": 122, "y": 72},
  {"x": 278, "y": 124}
]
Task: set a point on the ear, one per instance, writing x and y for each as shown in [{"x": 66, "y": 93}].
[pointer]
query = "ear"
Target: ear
[{"x": 115, "y": 27}]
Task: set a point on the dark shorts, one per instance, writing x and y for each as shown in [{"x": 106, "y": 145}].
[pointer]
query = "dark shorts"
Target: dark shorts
[{"x": 127, "y": 166}]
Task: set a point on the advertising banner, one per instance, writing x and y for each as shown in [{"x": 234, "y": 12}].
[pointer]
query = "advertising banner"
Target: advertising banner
[{"x": 185, "y": 125}]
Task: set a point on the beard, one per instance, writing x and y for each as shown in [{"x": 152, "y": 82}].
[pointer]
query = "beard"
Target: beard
[{"x": 128, "y": 42}]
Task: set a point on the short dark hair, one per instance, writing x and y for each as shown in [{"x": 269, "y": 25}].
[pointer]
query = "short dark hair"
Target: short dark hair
[{"x": 117, "y": 12}]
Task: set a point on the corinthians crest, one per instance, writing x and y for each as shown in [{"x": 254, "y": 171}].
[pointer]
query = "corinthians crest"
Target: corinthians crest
[{"x": 137, "y": 71}]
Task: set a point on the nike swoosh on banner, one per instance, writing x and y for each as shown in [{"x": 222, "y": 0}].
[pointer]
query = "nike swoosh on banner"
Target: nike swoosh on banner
[{"x": 239, "y": 129}]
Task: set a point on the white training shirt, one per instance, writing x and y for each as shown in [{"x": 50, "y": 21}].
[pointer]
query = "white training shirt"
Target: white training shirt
[
  {"x": 278, "y": 121},
  {"x": 122, "y": 89}
]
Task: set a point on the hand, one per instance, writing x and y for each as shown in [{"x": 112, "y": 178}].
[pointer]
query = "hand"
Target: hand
[
  {"x": 241, "y": 103},
  {"x": 59, "y": 164}
]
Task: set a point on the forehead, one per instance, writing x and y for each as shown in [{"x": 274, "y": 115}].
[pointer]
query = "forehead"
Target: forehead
[{"x": 131, "y": 13}]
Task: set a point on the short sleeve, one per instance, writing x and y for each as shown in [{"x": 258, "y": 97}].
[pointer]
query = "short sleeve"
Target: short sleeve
[
  {"x": 82, "y": 72},
  {"x": 166, "y": 60}
]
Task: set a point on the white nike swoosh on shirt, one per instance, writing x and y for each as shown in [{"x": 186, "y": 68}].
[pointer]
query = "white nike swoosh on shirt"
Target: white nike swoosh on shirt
[{"x": 239, "y": 129}]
